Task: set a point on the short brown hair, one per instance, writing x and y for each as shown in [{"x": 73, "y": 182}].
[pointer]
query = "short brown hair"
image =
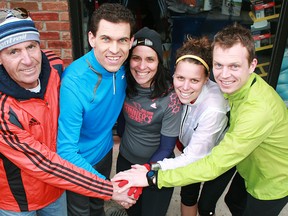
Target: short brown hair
[
  {"x": 112, "y": 12},
  {"x": 234, "y": 34}
]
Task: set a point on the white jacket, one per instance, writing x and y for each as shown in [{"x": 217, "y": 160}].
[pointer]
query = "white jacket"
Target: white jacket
[{"x": 203, "y": 125}]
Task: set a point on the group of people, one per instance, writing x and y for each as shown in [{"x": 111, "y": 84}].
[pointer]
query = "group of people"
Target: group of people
[
  {"x": 255, "y": 140},
  {"x": 56, "y": 126},
  {"x": 33, "y": 176}
]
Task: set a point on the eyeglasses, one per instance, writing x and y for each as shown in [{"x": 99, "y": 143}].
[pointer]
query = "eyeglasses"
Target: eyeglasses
[{"x": 20, "y": 13}]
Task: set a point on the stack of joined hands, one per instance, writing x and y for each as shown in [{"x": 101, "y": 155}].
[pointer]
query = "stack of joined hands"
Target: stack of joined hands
[{"x": 128, "y": 185}]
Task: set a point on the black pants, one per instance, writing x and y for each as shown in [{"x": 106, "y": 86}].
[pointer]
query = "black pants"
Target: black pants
[
  {"x": 153, "y": 201},
  {"x": 240, "y": 203},
  {"x": 79, "y": 205},
  {"x": 210, "y": 193}
]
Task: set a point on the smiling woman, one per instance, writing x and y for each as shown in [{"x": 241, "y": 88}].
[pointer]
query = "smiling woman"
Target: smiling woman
[
  {"x": 152, "y": 114},
  {"x": 203, "y": 123},
  {"x": 143, "y": 65},
  {"x": 188, "y": 82}
]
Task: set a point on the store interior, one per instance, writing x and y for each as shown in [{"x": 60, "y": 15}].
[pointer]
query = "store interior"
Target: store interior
[{"x": 175, "y": 20}]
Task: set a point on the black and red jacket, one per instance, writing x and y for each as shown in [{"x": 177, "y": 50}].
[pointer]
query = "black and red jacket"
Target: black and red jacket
[{"x": 32, "y": 175}]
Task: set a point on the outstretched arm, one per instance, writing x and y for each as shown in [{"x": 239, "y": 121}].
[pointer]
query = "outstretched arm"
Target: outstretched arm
[
  {"x": 136, "y": 177},
  {"x": 165, "y": 149}
]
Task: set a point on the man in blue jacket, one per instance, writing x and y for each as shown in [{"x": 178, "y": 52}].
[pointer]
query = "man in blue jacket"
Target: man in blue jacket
[{"x": 91, "y": 96}]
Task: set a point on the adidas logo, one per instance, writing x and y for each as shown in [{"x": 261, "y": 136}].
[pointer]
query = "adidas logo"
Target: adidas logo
[
  {"x": 153, "y": 105},
  {"x": 33, "y": 122}
]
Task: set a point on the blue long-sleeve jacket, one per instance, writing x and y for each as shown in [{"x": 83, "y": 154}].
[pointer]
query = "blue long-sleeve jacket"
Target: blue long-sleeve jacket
[{"x": 90, "y": 101}]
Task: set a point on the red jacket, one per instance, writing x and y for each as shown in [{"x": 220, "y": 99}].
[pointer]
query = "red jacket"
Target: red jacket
[{"x": 31, "y": 173}]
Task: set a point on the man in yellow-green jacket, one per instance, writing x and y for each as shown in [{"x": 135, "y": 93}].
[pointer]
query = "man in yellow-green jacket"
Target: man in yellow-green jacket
[{"x": 256, "y": 142}]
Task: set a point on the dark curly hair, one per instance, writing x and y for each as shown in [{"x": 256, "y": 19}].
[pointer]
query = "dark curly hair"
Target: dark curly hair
[{"x": 200, "y": 47}]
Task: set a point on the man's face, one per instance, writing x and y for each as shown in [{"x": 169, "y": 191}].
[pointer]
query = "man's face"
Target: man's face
[
  {"x": 111, "y": 44},
  {"x": 23, "y": 63},
  {"x": 231, "y": 68}
]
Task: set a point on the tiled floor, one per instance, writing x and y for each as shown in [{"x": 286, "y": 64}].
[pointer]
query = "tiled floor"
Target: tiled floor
[{"x": 174, "y": 208}]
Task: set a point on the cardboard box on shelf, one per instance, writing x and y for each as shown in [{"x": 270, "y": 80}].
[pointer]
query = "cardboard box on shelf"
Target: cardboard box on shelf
[
  {"x": 261, "y": 28},
  {"x": 263, "y": 9},
  {"x": 262, "y": 40}
]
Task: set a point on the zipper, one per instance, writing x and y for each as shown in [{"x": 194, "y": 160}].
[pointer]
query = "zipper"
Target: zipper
[
  {"x": 114, "y": 83},
  {"x": 182, "y": 123}
]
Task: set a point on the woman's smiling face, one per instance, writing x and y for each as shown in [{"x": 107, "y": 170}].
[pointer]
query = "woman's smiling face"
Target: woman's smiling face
[
  {"x": 143, "y": 65},
  {"x": 188, "y": 80}
]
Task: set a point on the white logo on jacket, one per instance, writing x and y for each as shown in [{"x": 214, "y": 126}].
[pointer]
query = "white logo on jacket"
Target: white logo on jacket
[{"x": 153, "y": 106}]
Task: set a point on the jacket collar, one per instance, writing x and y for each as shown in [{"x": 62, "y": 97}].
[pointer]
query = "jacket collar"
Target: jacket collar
[{"x": 242, "y": 92}]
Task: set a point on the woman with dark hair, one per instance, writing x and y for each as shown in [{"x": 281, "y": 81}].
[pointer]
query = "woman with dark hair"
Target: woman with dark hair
[{"x": 152, "y": 115}]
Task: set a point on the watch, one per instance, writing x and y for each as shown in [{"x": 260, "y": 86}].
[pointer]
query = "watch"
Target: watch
[
  {"x": 155, "y": 166},
  {"x": 151, "y": 175}
]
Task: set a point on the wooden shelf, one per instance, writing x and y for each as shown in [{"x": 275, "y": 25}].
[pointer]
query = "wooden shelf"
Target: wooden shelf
[
  {"x": 261, "y": 66},
  {"x": 252, "y": 16},
  {"x": 264, "y": 47}
]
